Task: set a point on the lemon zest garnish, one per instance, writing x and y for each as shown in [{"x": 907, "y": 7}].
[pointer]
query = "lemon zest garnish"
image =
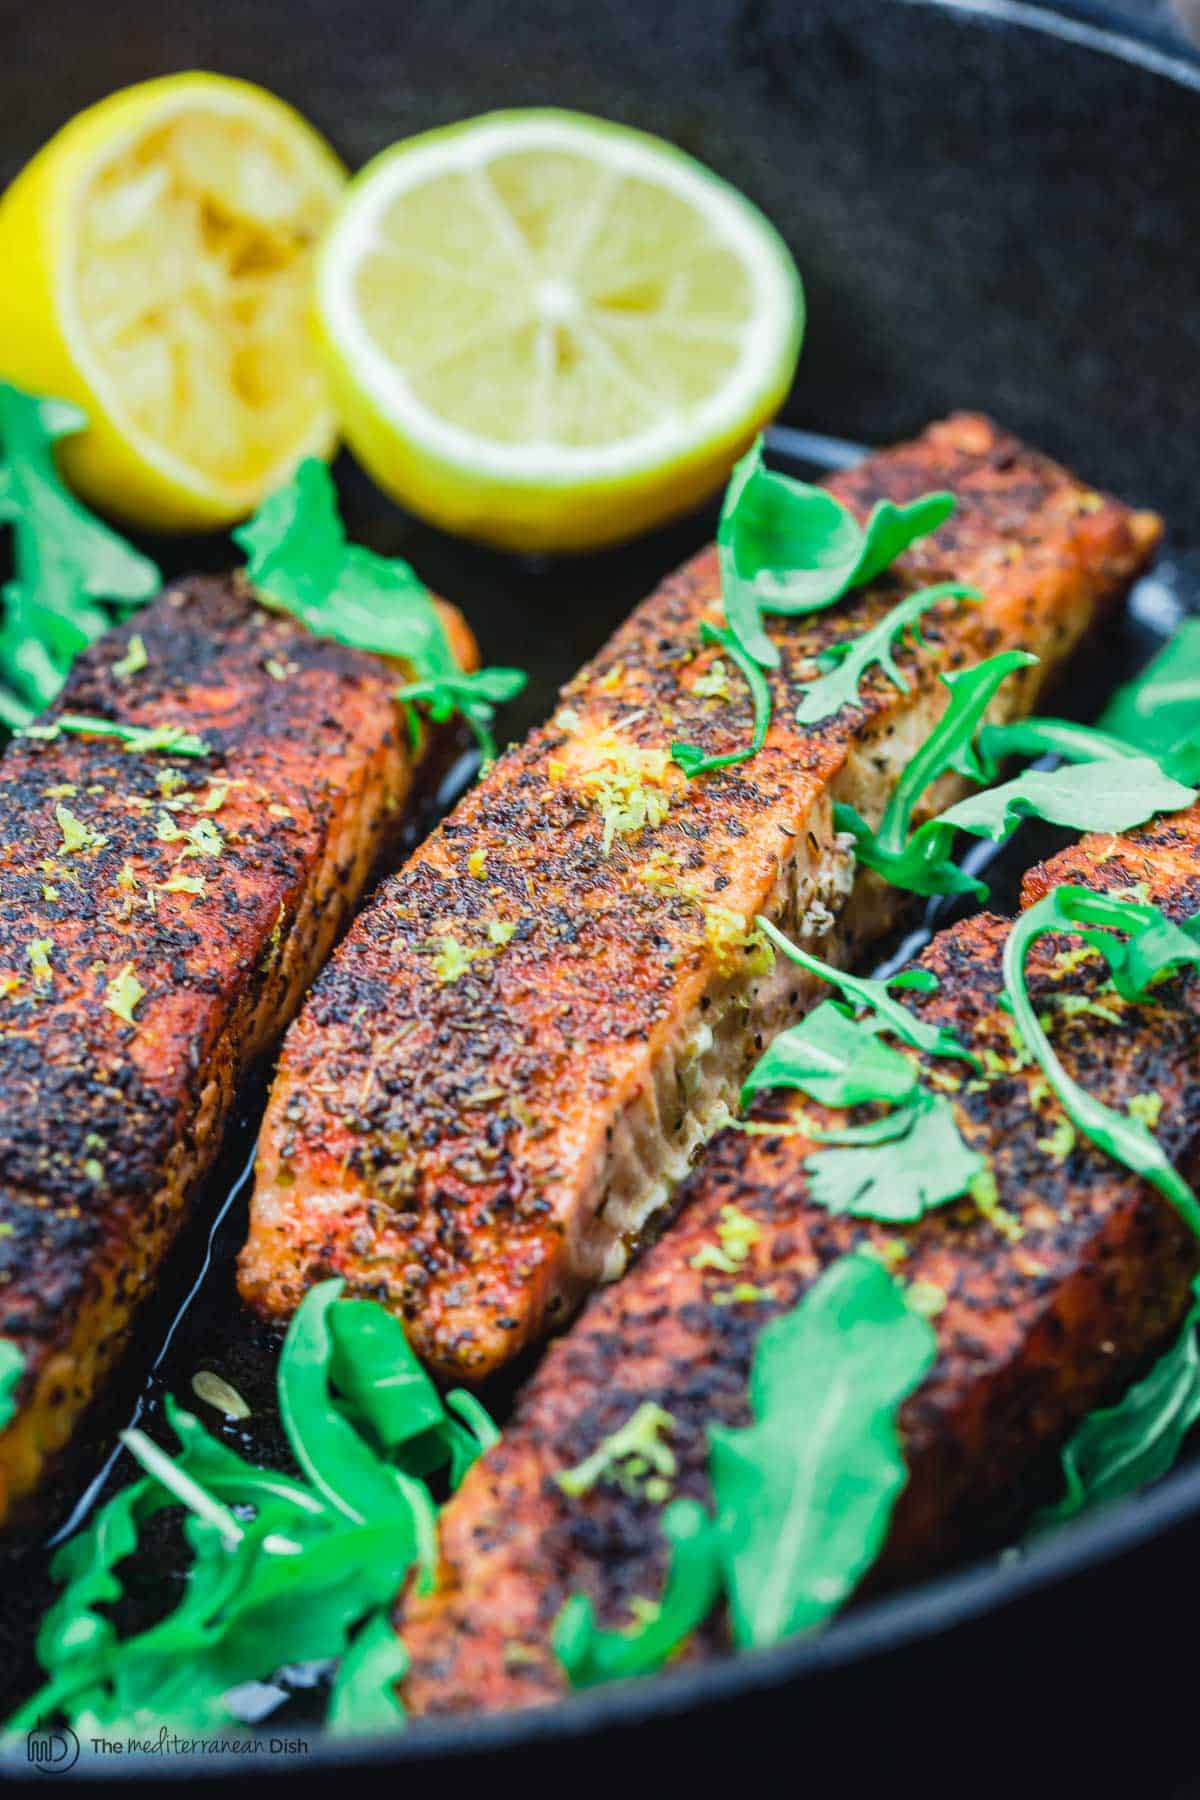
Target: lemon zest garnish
[
  {"x": 185, "y": 884},
  {"x": 630, "y": 787},
  {"x": 38, "y": 952},
  {"x": 986, "y": 1195},
  {"x": 75, "y": 834},
  {"x": 715, "y": 684},
  {"x": 124, "y": 993},
  {"x": 729, "y": 934},
  {"x": 634, "y": 1456},
  {"x": 1060, "y": 1142},
  {"x": 737, "y": 1235},
  {"x": 476, "y": 862},
  {"x": 134, "y": 659},
  {"x": 1147, "y": 1108},
  {"x": 926, "y": 1298}
]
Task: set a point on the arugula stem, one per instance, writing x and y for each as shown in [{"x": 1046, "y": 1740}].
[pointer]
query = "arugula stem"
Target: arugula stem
[
  {"x": 197, "y": 1499},
  {"x": 690, "y": 757},
  {"x": 968, "y": 702},
  {"x": 1049, "y": 737},
  {"x": 1123, "y": 1138},
  {"x": 935, "y": 1040}
]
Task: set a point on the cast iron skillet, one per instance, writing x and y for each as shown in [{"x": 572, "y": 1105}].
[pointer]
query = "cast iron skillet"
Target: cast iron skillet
[{"x": 994, "y": 205}]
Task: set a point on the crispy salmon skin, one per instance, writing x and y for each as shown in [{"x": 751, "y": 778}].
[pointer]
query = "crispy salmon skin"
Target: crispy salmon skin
[
  {"x": 160, "y": 917},
  {"x": 530, "y": 1031},
  {"x": 1049, "y": 1297}
]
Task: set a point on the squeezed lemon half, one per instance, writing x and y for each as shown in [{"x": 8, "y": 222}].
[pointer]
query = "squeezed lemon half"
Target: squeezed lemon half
[
  {"x": 157, "y": 258},
  {"x": 550, "y": 332}
]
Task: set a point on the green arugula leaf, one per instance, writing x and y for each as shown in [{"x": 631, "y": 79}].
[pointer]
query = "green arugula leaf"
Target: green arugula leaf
[
  {"x": 282, "y": 1569},
  {"x": 690, "y": 757},
  {"x": 1073, "y": 909},
  {"x": 1104, "y": 786},
  {"x": 805, "y": 1494},
  {"x": 835, "y": 1059},
  {"x": 1107, "y": 796},
  {"x": 299, "y": 560},
  {"x": 66, "y": 562},
  {"x": 382, "y": 1384},
  {"x": 338, "y": 1462},
  {"x": 589, "y": 1655},
  {"x": 364, "y": 1697},
  {"x": 851, "y": 660},
  {"x": 475, "y": 696},
  {"x": 12, "y": 1367},
  {"x": 858, "y": 990},
  {"x": 786, "y": 547},
  {"x": 1047, "y": 737},
  {"x": 1159, "y": 711},
  {"x": 1120, "y": 1449},
  {"x": 920, "y": 863},
  {"x": 146, "y": 740},
  {"x": 898, "y": 1168}
]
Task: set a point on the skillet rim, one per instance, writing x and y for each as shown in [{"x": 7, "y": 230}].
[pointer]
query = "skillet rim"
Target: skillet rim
[{"x": 922, "y": 1611}]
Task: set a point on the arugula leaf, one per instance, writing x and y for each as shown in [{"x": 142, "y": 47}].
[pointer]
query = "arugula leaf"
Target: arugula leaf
[
  {"x": 475, "y": 696},
  {"x": 920, "y": 863},
  {"x": 374, "y": 1369},
  {"x": 1119, "y": 1449},
  {"x": 851, "y": 659},
  {"x": 833, "y": 1058},
  {"x": 1105, "y": 786},
  {"x": 282, "y": 1569},
  {"x": 589, "y": 1655},
  {"x": 925, "y": 1164},
  {"x": 786, "y": 547},
  {"x": 805, "y": 1494},
  {"x": 299, "y": 560},
  {"x": 1159, "y": 711},
  {"x": 364, "y": 1696},
  {"x": 1047, "y": 737},
  {"x": 1072, "y": 909},
  {"x": 935, "y": 1040},
  {"x": 338, "y": 1462},
  {"x": 1106, "y": 796},
  {"x": 690, "y": 757},
  {"x": 66, "y": 562},
  {"x": 148, "y": 740},
  {"x": 12, "y": 1367}
]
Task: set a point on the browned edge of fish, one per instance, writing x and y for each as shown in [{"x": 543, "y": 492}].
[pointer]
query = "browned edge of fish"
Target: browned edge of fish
[
  {"x": 107, "y": 1124},
  {"x": 474, "y": 1128},
  {"x": 1048, "y": 1305}
]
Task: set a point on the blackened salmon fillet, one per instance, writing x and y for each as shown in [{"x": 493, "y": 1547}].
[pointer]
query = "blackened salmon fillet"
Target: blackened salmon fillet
[
  {"x": 1049, "y": 1300},
  {"x": 160, "y": 919},
  {"x": 531, "y": 1030}
]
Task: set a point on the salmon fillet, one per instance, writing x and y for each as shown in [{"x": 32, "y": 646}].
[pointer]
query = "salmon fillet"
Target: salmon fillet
[
  {"x": 529, "y": 1033},
  {"x": 1049, "y": 1307},
  {"x": 222, "y": 881}
]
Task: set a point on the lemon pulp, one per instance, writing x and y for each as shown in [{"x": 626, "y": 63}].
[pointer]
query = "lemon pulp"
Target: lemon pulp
[{"x": 174, "y": 228}]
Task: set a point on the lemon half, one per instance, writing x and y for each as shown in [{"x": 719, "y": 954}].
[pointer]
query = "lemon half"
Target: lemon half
[
  {"x": 550, "y": 332},
  {"x": 157, "y": 258}
]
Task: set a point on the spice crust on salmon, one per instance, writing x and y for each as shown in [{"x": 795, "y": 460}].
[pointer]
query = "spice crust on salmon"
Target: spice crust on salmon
[
  {"x": 526, "y": 1038},
  {"x": 1046, "y": 1300},
  {"x": 160, "y": 918}
]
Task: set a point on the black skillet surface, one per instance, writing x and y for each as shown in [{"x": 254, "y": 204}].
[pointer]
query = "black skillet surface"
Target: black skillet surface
[{"x": 993, "y": 205}]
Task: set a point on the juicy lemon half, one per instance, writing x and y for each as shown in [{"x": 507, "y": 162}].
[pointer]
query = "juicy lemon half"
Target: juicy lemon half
[
  {"x": 157, "y": 258},
  {"x": 549, "y": 332}
]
